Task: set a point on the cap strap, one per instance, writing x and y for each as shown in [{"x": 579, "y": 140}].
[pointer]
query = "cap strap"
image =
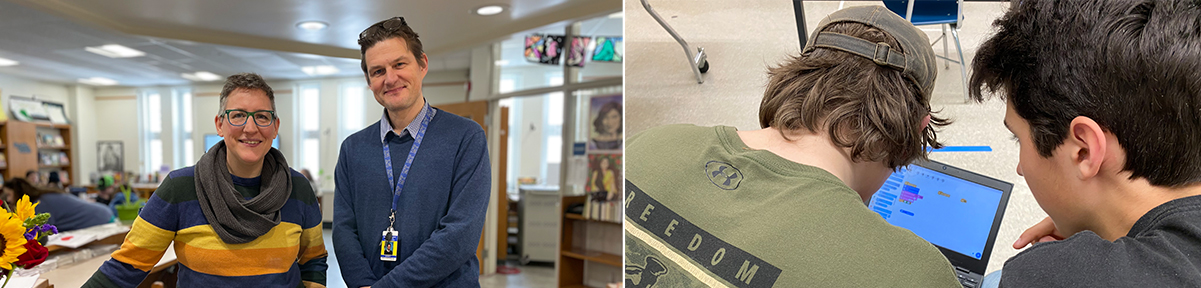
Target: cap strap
[{"x": 879, "y": 52}]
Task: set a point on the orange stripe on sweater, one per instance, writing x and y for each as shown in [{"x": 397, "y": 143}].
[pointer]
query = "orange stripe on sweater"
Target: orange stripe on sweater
[{"x": 244, "y": 262}]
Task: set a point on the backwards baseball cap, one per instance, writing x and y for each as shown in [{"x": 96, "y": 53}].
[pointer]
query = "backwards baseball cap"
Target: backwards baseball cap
[{"x": 916, "y": 63}]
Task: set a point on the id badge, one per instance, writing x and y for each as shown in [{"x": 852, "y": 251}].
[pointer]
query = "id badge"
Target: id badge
[{"x": 388, "y": 245}]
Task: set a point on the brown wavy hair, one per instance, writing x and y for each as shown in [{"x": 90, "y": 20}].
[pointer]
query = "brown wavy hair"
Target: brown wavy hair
[
  {"x": 871, "y": 109},
  {"x": 22, "y": 187}
]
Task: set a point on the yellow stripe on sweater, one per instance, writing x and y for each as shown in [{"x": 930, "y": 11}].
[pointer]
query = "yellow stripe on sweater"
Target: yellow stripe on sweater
[
  {"x": 284, "y": 235},
  {"x": 147, "y": 236},
  {"x": 241, "y": 262},
  {"x": 313, "y": 244}
]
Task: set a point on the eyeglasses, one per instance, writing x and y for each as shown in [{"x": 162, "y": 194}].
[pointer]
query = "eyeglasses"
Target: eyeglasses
[
  {"x": 237, "y": 117},
  {"x": 384, "y": 27}
]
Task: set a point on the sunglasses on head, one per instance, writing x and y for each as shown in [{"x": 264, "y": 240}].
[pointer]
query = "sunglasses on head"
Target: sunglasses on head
[{"x": 386, "y": 26}]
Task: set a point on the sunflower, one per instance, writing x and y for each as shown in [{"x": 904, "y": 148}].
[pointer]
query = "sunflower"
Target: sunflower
[
  {"x": 25, "y": 208},
  {"x": 12, "y": 239}
]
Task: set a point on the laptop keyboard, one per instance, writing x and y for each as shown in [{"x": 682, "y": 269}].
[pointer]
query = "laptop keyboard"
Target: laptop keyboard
[{"x": 967, "y": 280}]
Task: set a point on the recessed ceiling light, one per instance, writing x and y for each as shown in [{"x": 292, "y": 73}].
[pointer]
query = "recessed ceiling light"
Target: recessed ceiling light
[
  {"x": 319, "y": 70},
  {"x": 203, "y": 76},
  {"x": 312, "y": 25},
  {"x": 617, "y": 14},
  {"x": 490, "y": 10},
  {"x": 502, "y": 62},
  {"x": 98, "y": 81},
  {"x": 115, "y": 51},
  {"x": 7, "y": 62}
]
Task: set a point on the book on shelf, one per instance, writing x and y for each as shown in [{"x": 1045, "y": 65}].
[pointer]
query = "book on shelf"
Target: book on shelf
[{"x": 3, "y": 160}]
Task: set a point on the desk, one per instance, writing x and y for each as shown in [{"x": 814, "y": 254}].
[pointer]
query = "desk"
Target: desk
[{"x": 77, "y": 273}]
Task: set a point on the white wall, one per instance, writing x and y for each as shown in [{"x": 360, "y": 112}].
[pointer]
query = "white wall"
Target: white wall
[
  {"x": 116, "y": 111},
  {"x": 83, "y": 138},
  {"x": 117, "y": 107}
]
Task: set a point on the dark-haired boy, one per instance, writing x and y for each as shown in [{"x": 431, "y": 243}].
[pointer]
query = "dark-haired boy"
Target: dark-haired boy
[{"x": 1104, "y": 98}]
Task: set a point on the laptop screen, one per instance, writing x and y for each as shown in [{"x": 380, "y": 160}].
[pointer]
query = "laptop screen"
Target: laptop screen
[{"x": 950, "y": 212}]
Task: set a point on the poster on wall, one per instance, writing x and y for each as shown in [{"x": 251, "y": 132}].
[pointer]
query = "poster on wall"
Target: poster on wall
[
  {"x": 579, "y": 49},
  {"x": 56, "y": 113},
  {"x": 111, "y": 156},
  {"x": 544, "y": 49},
  {"x": 27, "y": 109},
  {"x": 533, "y": 53},
  {"x": 605, "y": 132},
  {"x": 608, "y": 49},
  {"x": 604, "y": 176}
]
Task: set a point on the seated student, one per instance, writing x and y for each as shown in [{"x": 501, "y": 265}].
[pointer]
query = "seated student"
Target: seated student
[
  {"x": 67, "y": 212},
  {"x": 33, "y": 177},
  {"x": 105, "y": 190},
  {"x": 1104, "y": 100},
  {"x": 54, "y": 181},
  {"x": 239, "y": 218},
  {"x": 784, "y": 206}
]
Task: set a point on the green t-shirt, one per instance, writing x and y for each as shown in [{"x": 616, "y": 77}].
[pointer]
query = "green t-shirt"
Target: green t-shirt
[{"x": 703, "y": 209}]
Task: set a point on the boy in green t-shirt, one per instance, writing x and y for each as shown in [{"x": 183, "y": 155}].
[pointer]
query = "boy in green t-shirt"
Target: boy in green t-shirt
[{"x": 784, "y": 206}]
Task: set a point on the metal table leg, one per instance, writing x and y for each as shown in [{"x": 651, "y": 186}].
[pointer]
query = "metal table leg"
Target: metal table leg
[{"x": 698, "y": 63}]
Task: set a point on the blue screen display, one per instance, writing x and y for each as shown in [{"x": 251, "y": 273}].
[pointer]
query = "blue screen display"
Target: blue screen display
[
  {"x": 949, "y": 212},
  {"x": 212, "y": 139}
]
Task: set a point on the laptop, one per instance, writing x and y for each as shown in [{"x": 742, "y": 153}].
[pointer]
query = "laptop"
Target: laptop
[{"x": 956, "y": 210}]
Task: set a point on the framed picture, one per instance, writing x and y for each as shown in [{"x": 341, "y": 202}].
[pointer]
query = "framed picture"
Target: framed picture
[
  {"x": 605, "y": 132},
  {"x": 579, "y": 45},
  {"x": 604, "y": 176},
  {"x": 608, "y": 49},
  {"x": 27, "y": 109},
  {"x": 111, "y": 156},
  {"x": 56, "y": 113},
  {"x": 544, "y": 49}
]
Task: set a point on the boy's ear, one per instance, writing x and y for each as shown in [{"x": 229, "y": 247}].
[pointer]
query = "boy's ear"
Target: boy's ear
[{"x": 1087, "y": 146}]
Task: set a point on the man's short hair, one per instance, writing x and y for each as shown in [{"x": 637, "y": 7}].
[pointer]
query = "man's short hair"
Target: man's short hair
[
  {"x": 396, "y": 27},
  {"x": 1134, "y": 67},
  {"x": 245, "y": 81},
  {"x": 871, "y": 109}
]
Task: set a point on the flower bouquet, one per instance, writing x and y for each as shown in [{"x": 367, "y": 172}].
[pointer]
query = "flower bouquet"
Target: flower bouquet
[{"x": 22, "y": 236}]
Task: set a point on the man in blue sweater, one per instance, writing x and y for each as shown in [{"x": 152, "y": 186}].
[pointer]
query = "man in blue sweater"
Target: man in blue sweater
[{"x": 413, "y": 188}]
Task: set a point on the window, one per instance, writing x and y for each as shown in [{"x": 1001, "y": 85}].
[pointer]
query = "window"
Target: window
[
  {"x": 152, "y": 127},
  {"x": 351, "y": 97},
  {"x": 508, "y": 83},
  {"x": 308, "y": 132},
  {"x": 185, "y": 147}
]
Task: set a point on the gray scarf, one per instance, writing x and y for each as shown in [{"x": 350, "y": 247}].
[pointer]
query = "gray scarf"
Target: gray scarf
[{"x": 237, "y": 220}]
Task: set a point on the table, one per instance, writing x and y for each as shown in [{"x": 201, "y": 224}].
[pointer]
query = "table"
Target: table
[{"x": 77, "y": 273}]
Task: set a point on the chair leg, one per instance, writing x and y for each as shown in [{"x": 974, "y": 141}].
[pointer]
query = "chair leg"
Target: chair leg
[
  {"x": 946, "y": 63},
  {"x": 962, "y": 64}
]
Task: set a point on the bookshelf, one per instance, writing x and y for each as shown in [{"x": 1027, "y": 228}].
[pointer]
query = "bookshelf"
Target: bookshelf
[
  {"x": 21, "y": 148},
  {"x": 574, "y": 251}
]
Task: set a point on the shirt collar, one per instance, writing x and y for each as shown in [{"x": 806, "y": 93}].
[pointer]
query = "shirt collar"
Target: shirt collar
[{"x": 385, "y": 126}]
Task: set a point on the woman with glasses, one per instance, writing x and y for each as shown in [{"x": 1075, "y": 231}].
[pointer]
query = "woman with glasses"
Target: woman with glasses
[{"x": 239, "y": 218}]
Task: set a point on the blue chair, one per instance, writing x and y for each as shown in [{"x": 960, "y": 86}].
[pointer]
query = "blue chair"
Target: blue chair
[{"x": 945, "y": 13}]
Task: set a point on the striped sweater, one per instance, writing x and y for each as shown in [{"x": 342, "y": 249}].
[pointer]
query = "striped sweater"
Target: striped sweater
[{"x": 288, "y": 254}]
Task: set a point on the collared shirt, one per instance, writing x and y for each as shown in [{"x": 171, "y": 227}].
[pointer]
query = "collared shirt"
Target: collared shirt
[{"x": 385, "y": 126}]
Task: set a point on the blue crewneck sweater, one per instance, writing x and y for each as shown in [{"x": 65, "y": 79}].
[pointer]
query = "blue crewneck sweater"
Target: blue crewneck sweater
[{"x": 439, "y": 216}]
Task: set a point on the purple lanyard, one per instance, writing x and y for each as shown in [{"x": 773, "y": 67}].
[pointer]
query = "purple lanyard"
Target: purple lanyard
[{"x": 404, "y": 172}]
